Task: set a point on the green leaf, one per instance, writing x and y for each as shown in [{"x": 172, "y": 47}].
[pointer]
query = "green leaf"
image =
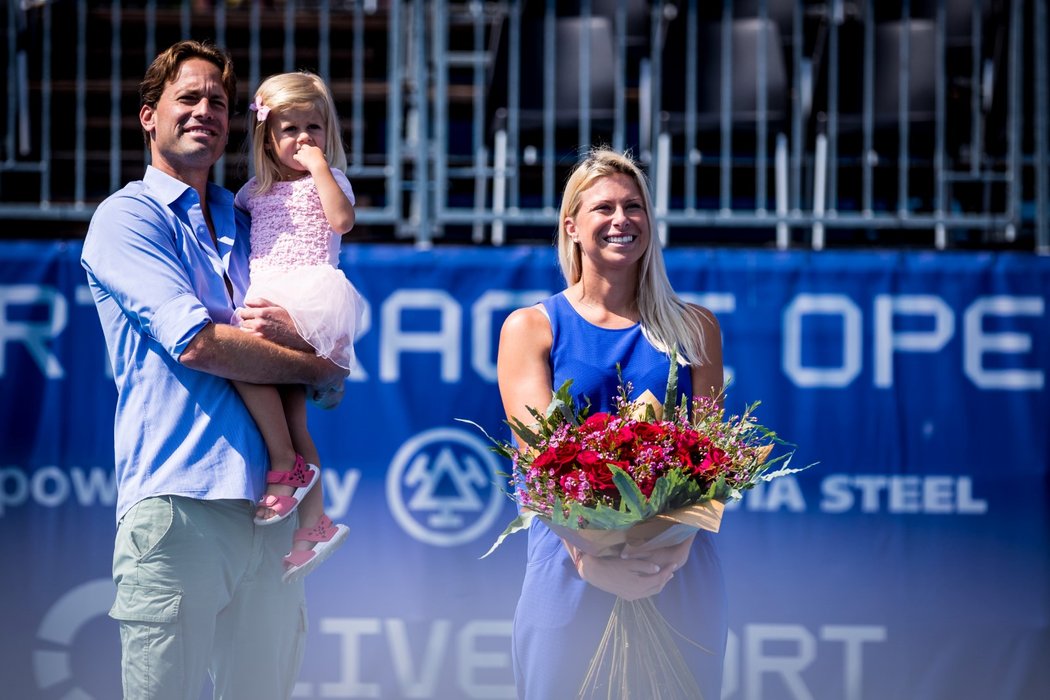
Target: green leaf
[
  {"x": 525, "y": 433},
  {"x": 671, "y": 395},
  {"x": 519, "y": 523},
  {"x": 631, "y": 497},
  {"x": 600, "y": 517}
]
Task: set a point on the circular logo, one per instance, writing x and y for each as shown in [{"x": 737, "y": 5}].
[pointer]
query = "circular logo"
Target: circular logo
[
  {"x": 441, "y": 487},
  {"x": 60, "y": 626}
]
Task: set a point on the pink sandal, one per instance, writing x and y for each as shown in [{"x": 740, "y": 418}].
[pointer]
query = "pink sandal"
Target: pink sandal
[
  {"x": 301, "y": 477},
  {"x": 328, "y": 538}
]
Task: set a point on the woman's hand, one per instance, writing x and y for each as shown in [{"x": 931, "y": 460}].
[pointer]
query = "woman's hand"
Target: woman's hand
[
  {"x": 674, "y": 556},
  {"x": 634, "y": 574}
]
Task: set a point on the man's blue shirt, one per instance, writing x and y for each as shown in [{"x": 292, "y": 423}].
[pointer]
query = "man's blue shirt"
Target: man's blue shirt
[{"x": 157, "y": 280}]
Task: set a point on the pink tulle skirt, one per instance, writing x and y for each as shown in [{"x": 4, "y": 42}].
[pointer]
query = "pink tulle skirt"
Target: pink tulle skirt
[{"x": 323, "y": 304}]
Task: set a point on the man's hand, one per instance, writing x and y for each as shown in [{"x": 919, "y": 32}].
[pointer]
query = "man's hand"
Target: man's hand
[{"x": 260, "y": 317}]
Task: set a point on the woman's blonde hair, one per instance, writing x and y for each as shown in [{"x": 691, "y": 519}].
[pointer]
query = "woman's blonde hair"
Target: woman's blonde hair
[
  {"x": 666, "y": 320},
  {"x": 279, "y": 93}
]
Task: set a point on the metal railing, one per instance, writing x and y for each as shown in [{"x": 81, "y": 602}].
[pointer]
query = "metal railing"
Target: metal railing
[{"x": 786, "y": 122}]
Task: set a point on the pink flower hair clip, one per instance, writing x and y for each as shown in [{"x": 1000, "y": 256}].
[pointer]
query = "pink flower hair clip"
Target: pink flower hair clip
[{"x": 261, "y": 110}]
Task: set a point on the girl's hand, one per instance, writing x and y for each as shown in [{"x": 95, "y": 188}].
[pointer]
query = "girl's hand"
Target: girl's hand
[
  {"x": 310, "y": 157},
  {"x": 260, "y": 317}
]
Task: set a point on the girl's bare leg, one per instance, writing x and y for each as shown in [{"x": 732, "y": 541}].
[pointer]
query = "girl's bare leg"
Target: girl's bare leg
[
  {"x": 267, "y": 409},
  {"x": 312, "y": 507}
]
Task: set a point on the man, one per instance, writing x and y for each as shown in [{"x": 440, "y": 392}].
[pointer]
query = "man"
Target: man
[{"x": 198, "y": 584}]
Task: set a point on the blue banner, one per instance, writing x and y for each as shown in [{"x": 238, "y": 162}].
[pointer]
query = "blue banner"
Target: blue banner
[{"x": 910, "y": 562}]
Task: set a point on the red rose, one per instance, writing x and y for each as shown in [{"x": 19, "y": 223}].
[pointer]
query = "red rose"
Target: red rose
[
  {"x": 623, "y": 439},
  {"x": 596, "y": 471},
  {"x": 565, "y": 453},
  {"x": 713, "y": 459},
  {"x": 649, "y": 432},
  {"x": 596, "y": 423},
  {"x": 544, "y": 459},
  {"x": 686, "y": 446}
]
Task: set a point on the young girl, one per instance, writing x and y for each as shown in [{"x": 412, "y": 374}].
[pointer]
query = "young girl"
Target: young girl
[{"x": 301, "y": 203}]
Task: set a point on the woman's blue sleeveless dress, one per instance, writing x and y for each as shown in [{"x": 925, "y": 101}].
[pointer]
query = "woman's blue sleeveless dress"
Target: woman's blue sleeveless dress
[{"x": 560, "y": 619}]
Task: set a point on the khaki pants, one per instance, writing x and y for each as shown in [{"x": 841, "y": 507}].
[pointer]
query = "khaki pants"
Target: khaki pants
[{"x": 199, "y": 591}]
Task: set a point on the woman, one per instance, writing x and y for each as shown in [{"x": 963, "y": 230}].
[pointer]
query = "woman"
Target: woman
[{"x": 618, "y": 308}]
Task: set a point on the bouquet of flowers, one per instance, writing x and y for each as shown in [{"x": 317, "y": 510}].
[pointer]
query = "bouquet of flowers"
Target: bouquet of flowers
[{"x": 651, "y": 474}]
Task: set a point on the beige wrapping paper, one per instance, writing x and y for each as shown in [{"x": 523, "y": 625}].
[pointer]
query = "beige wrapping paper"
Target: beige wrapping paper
[{"x": 664, "y": 530}]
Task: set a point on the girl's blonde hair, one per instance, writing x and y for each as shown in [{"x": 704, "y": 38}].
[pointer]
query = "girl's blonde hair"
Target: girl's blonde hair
[
  {"x": 281, "y": 92},
  {"x": 666, "y": 320}
]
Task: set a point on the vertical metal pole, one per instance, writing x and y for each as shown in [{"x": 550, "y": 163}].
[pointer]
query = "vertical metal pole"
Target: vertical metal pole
[
  {"x": 324, "y": 41},
  {"x": 549, "y": 57},
  {"x": 254, "y": 53},
  {"x": 1014, "y": 120},
  {"x": 620, "y": 77},
  {"x": 663, "y": 187},
  {"x": 762, "y": 107},
  {"x": 185, "y": 20},
  {"x": 794, "y": 184},
  {"x": 45, "y": 110},
  {"x": 1042, "y": 162},
  {"x": 80, "y": 155},
  {"x": 820, "y": 157},
  {"x": 692, "y": 47},
  {"x": 438, "y": 53},
  {"x": 254, "y": 59},
  {"x": 903, "y": 110},
  {"x": 499, "y": 186},
  {"x": 12, "y": 104},
  {"x": 150, "y": 47},
  {"x": 511, "y": 146},
  {"x": 976, "y": 91},
  {"x": 780, "y": 168},
  {"x": 357, "y": 90},
  {"x": 151, "y": 30},
  {"x": 289, "y": 36},
  {"x": 114, "y": 96},
  {"x": 655, "y": 82},
  {"x": 393, "y": 113},
  {"x": 481, "y": 159},
  {"x": 867, "y": 120},
  {"x": 424, "y": 234},
  {"x": 219, "y": 169},
  {"x": 832, "y": 172},
  {"x": 725, "y": 119},
  {"x": 940, "y": 78},
  {"x": 478, "y": 121},
  {"x": 584, "y": 84}
]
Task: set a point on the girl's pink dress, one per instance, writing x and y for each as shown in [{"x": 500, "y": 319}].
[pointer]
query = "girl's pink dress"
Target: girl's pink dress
[{"x": 294, "y": 263}]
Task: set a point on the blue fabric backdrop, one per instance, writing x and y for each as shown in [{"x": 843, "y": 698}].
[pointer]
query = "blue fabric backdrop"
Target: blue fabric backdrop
[{"x": 911, "y": 562}]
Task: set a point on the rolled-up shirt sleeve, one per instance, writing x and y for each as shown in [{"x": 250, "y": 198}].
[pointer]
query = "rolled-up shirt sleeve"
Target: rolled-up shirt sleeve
[{"x": 138, "y": 259}]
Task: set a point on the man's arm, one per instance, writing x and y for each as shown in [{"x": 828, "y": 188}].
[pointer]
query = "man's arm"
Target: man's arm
[{"x": 229, "y": 352}]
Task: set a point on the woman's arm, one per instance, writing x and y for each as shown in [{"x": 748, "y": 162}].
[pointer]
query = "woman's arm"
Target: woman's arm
[
  {"x": 708, "y": 377},
  {"x": 523, "y": 363}
]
